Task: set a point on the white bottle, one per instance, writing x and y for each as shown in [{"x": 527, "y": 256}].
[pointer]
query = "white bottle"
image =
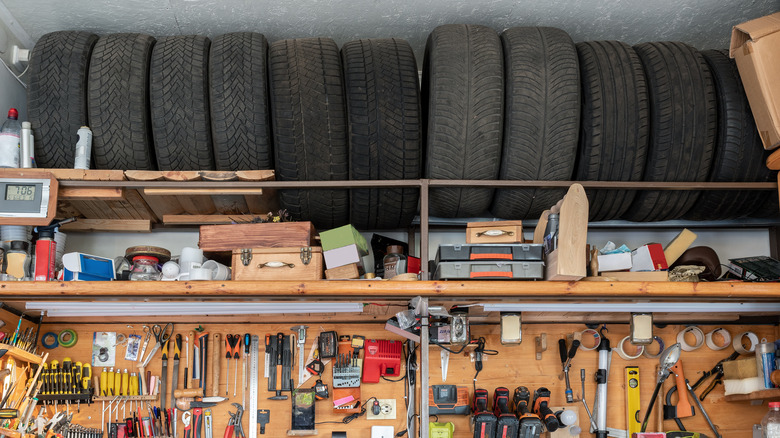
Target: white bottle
[{"x": 9, "y": 140}]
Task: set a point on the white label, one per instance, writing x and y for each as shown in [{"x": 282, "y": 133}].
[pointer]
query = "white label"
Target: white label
[{"x": 9, "y": 150}]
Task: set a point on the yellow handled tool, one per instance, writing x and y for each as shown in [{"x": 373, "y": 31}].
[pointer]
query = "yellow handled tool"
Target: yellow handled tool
[
  {"x": 125, "y": 381},
  {"x": 104, "y": 382}
]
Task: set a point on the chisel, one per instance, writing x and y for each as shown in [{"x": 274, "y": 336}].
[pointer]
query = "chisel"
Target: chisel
[
  {"x": 164, "y": 377},
  {"x": 203, "y": 339},
  {"x": 175, "y": 378}
]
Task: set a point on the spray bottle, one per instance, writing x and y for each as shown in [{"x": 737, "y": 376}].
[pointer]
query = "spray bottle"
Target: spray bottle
[{"x": 46, "y": 250}]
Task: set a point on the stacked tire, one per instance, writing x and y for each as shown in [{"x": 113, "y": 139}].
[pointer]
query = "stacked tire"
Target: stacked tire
[{"x": 528, "y": 105}]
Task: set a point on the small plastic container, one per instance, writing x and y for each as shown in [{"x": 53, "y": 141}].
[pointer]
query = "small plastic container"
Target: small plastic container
[
  {"x": 145, "y": 269},
  {"x": 394, "y": 261},
  {"x": 770, "y": 425}
]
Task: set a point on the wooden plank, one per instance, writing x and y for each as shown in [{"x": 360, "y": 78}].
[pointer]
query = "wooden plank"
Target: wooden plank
[
  {"x": 766, "y": 394},
  {"x": 276, "y": 235},
  {"x": 74, "y": 174},
  {"x": 229, "y": 204},
  {"x": 92, "y": 210},
  {"x": 87, "y": 193},
  {"x": 155, "y": 191},
  {"x": 572, "y": 237},
  {"x": 256, "y": 175},
  {"x": 138, "y": 226},
  {"x": 583, "y": 291},
  {"x": 773, "y": 161},
  {"x": 144, "y": 175},
  {"x": 138, "y": 204},
  {"x": 206, "y": 219},
  {"x": 181, "y": 175},
  {"x": 196, "y": 205},
  {"x": 261, "y": 205},
  {"x": 218, "y": 176}
]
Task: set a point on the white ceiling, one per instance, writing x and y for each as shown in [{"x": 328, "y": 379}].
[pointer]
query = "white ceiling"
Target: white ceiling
[{"x": 702, "y": 23}]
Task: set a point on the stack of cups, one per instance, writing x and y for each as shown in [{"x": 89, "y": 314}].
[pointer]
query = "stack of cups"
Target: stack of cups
[
  {"x": 190, "y": 258},
  {"x": 9, "y": 233}
]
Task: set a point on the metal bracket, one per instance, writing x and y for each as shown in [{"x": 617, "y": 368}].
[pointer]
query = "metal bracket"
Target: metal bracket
[
  {"x": 246, "y": 256},
  {"x": 306, "y": 255}
]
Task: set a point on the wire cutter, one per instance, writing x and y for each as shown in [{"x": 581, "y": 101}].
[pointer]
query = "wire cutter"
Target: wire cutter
[{"x": 716, "y": 371}]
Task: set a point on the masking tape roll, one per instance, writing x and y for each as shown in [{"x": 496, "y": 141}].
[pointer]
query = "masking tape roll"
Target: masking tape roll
[
  {"x": 696, "y": 332},
  {"x": 582, "y": 335},
  {"x": 68, "y": 338},
  {"x": 737, "y": 343},
  {"x": 53, "y": 344},
  {"x": 726, "y": 339},
  {"x": 660, "y": 348},
  {"x": 625, "y": 356}
]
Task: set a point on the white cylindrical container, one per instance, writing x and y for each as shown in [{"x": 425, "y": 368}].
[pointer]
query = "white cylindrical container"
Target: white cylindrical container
[
  {"x": 27, "y": 146},
  {"x": 83, "y": 148}
]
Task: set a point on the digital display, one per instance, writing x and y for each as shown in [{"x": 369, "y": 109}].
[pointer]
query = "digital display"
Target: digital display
[{"x": 19, "y": 192}]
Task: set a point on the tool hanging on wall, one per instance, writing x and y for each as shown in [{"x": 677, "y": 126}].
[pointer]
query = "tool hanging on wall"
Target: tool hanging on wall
[
  {"x": 164, "y": 377},
  {"x": 279, "y": 379},
  {"x": 203, "y": 338},
  {"x": 254, "y": 414},
  {"x": 176, "y": 360},
  {"x": 668, "y": 358},
  {"x": 301, "y": 331},
  {"x": 683, "y": 408},
  {"x": 188, "y": 364},
  {"x": 247, "y": 341},
  {"x": 215, "y": 364},
  {"x": 566, "y": 358},
  {"x": 602, "y": 377},
  {"x": 633, "y": 405}
]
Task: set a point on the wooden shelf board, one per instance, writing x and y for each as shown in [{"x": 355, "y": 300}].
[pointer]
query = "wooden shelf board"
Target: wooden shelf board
[
  {"x": 765, "y": 394},
  {"x": 345, "y": 290},
  {"x": 18, "y": 353}
]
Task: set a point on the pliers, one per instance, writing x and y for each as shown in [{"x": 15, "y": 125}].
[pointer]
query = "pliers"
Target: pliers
[
  {"x": 234, "y": 424},
  {"x": 186, "y": 418},
  {"x": 716, "y": 371}
]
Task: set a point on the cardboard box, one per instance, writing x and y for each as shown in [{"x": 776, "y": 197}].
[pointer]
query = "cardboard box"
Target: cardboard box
[
  {"x": 294, "y": 263},
  {"x": 343, "y": 256},
  {"x": 343, "y": 236},
  {"x": 494, "y": 232},
  {"x": 637, "y": 276},
  {"x": 272, "y": 234},
  {"x": 755, "y": 46},
  {"x": 615, "y": 262},
  {"x": 649, "y": 258}
]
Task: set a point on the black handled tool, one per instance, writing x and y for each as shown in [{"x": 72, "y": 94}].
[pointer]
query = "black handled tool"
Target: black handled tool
[{"x": 566, "y": 363}]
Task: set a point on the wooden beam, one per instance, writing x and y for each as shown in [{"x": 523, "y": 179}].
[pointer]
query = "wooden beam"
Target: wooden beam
[
  {"x": 75, "y": 174},
  {"x": 134, "y": 225},
  {"x": 256, "y": 175},
  {"x": 201, "y": 192},
  {"x": 91, "y": 193},
  {"x": 207, "y": 219}
]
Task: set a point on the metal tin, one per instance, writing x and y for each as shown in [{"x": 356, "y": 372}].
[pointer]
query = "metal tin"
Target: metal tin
[{"x": 765, "y": 362}]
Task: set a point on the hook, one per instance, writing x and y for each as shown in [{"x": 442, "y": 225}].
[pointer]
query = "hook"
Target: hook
[{"x": 603, "y": 329}]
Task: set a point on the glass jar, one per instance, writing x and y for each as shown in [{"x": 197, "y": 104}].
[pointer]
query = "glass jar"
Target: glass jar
[
  {"x": 145, "y": 269},
  {"x": 394, "y": 261},
  {"x": 770, "y": 425},
  {"x": 17, "y": 260}
]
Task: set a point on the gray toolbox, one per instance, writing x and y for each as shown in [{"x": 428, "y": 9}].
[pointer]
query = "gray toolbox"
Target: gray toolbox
[
  {"x": 490, "y": 251},
  {"x": 489, "y": 270}
]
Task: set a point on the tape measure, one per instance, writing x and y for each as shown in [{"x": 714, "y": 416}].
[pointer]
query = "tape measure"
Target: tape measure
[{"x": 254, "y": 347}]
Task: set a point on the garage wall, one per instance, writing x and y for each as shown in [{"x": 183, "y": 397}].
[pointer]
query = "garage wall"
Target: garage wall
[{"x": 702, "y": 23}]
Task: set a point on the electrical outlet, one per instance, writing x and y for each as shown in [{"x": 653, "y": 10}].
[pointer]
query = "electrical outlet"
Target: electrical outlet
[{"x": 387, "y": 407}]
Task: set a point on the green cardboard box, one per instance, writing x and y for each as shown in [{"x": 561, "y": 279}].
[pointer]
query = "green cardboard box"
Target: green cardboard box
[{"x": 343, "y": 236}]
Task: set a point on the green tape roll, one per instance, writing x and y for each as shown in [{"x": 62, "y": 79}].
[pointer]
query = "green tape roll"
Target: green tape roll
[{"x": 68, "y": 338}]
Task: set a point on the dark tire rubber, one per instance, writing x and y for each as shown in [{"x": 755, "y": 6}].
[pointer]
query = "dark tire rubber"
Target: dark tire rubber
[
  {"x": 739, "y": 154},
  {"x": 240, "y": 125},
  {"x": 119, "y": 102},
  {"x": 614, "y": 129},
  {"x": 57, "y": 95},
  {"x": 683, "y": 124},
  {"x": 542, "y": 118},
  {"x": 385, "y": 129},
  {"x": 309, "y": 125},
  {"x": 463, "y": 100},
  {"x": 181, "y": 123}
]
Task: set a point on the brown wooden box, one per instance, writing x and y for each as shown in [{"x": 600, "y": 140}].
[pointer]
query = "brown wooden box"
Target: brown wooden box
[
  {"x": 510, "y": 232},
  {"x": 293, "y": 263},
  {"x": 272, "y": 234},
  {"x": 346, "y": 272}
]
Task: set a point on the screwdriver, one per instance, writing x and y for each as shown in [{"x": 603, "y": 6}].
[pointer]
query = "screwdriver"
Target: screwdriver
[
  {"x": 77, "y": 384},
  {"x": 247, "y": 339},
  {"x": 236, "y": 350},
  {"x": 117, "y": 382},
  {"x": 231, "y": 343},
  {"x": 125, "y": 381},
  {"x": 86, "y": 376},
  {"x": 110, "y": 382}
]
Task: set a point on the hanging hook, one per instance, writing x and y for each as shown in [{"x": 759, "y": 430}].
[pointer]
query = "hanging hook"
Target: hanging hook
[{"x": 603, "y": 329}]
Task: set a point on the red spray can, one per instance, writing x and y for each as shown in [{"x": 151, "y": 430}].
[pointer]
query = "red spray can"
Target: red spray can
[{"x": 46, "y": 250}]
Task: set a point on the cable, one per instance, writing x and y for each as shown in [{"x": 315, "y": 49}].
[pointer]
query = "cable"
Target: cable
[
  {"x": 19, "y": 77},
  {"x": 349, "y": 418},
  {"x": 479, "y": 351}
]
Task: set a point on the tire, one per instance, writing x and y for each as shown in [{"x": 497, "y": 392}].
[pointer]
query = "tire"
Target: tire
[
  {"x": 739, "y": 154},
  {"x": 385, "y": 129},
  {"x": 308, "y": 116},
  {"x": 683, "y": 124},
  {"x": 57, "y": 95},
  {"x": 614, "y": 129},
  {"x": 181, "y": 123},
  {"x": 463, "y": 95},
  {"x": 240, "y": 125},
  {"x": 118, "y": 89},
  {"x": 542, "y": 118}
]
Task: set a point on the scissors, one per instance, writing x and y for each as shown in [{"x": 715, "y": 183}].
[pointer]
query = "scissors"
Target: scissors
[
  {"x": 161, "y": 335},
  {"x": 148, "y": 334}
]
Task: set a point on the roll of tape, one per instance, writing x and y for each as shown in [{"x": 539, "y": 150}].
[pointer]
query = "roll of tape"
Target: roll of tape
[
  {"x": 68, "y": 338},
  {"x": 53, "y": 344},
  {"x": 587, "y": 333},
  {"x": 696, "y": 332},
  {"x": 625, "y": 356},
  {"x": 737, "y": 343},
  {"x": 726, "y": 339},
  {"x": 660, "y": 343}
]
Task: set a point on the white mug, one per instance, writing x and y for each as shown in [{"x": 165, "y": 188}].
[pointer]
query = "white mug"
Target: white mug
[
  {"x": 188, "y": 256},
  {"x": 220, "y": 271},
  {"x": 200, "y": 274}
]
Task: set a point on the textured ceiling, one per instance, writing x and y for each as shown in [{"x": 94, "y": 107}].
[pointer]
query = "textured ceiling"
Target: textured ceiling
[{"x": 701, "y": 23}]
